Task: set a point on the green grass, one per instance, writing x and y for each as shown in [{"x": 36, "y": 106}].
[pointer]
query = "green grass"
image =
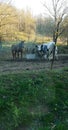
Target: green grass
[
  {"x": 62, "y": 49},
  {"x": 35, "y": 100}
]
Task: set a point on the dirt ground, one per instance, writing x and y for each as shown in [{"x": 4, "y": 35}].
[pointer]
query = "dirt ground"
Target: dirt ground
[{"x": 10, "y": 66}]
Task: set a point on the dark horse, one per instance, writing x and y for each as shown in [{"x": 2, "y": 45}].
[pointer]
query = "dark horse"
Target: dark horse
[{"x": 17, "y": 50}]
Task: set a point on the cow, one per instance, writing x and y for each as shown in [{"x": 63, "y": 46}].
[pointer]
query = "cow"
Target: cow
[
  {"x": 46, "y": 49},
  {"x": 17, "y": 50}
]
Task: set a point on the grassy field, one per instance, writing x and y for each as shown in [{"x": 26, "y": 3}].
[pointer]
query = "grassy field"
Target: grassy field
[{"x": 34, "y": 100}]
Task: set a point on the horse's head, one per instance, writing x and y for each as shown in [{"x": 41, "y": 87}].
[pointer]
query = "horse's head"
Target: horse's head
[
  {"x": 38, "y": 47},
  {"x": 21, "y": 44},
  {"x": 22, "y": 41}
]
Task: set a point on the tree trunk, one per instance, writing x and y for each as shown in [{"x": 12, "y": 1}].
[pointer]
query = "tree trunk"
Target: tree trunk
[
  {"x": 52, "y": 62},
  {"x": 55, "y": 40}
]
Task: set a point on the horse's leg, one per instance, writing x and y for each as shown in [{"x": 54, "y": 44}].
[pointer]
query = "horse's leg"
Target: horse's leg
[
  {"x": 21, "y": 54},
  {"x": 13, "y": 54},
  {"x": 18, "y": 54},
  {"x": 47, "y": 54}
]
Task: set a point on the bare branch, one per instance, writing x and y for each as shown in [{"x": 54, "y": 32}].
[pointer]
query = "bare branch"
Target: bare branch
[{"x": 49, "y": 11}]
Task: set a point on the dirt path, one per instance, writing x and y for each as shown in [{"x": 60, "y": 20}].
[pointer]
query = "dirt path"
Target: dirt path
[{"x": 20, "y": 66}]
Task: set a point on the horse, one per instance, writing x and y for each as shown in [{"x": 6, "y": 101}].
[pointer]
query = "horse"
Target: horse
[
  {"x": 17, "y": 50},
  {"x": 46, "y": 49}
]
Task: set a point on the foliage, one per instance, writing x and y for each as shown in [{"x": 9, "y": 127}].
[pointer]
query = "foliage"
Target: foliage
[
  {"x": 15, "y": 25},
  {"x": 65, "y": 33},
  {"x": 22, "y": 25},
  {"x": 44, "y": 26},
  {"x": 8, "y": 18},
  {"x": 62, "y": 49},
  {"x": 36, "y": 100}
]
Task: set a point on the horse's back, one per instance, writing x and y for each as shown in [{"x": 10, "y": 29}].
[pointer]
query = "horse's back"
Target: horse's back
[
  {"x": 14, "y": 47},
  {"x": 17, "y": 47}
]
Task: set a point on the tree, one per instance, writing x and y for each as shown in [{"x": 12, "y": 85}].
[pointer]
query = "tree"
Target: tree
[
  {"x": 44, "y": 26},
  {"x": 58, "y": 11},
  {"x": 40, "y": 25},
  {"x": 29, "y": 24},
  {"x": 8, "y": 21},
  {"x": 26, "y": 23},
  {"x": 65, "y": 33}
]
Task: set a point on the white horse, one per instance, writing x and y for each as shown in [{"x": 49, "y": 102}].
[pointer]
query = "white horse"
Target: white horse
[{"x": 46, "y": 50}]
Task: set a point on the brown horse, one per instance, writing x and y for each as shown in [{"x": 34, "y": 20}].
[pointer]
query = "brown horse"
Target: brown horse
[{"x": 17, "y": 50}]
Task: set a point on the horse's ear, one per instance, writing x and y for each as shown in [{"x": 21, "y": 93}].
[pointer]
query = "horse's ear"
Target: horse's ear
[{"x": 22, "y": 41}]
